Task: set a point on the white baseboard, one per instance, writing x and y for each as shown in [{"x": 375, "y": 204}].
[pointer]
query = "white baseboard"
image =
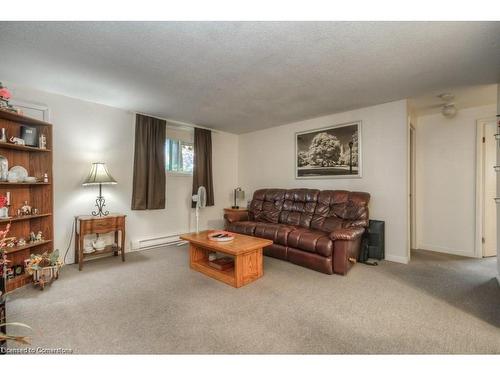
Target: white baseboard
[
  {"x": 136, "y": 249},
  {"x": 396, "y": 258},
  {"x": 155, "y": 241}
]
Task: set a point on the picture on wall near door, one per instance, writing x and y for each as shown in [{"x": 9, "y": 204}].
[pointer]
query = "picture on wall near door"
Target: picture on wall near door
[{"x": 332, "y": 152}]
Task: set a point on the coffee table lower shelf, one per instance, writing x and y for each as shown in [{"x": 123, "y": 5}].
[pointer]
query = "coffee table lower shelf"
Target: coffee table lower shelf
[{"x": 247, "y": 266}]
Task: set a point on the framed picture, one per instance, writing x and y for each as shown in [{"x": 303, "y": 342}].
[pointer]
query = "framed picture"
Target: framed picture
[{"x": 332, "y": 152}]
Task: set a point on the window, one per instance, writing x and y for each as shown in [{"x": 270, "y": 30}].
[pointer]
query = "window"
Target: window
[{"x": 179, "y": 156}]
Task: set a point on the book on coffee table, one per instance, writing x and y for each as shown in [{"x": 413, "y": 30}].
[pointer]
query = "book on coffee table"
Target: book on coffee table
[{"x": 222, "y": 264}]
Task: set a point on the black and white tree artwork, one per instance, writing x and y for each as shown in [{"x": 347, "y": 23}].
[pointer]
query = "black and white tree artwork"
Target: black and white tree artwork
[{"x": 329, "y": 152}]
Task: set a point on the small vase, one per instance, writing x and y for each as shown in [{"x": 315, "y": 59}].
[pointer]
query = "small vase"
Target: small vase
[
  {"x": 4, "y": 168},
  {"x": 4, "y": 212}
]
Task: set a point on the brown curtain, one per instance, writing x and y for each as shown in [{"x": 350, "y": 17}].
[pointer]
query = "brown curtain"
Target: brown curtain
[
  {"x": 149, "y": 163},
  {"x": 202, "y": 168}
]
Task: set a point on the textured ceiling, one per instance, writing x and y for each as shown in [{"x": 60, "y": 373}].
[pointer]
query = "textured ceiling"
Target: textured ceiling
[{"x": 244, "y": 76}]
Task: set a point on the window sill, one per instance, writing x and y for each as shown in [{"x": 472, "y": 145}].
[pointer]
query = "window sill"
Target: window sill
[{"x": 180, "y": 174}]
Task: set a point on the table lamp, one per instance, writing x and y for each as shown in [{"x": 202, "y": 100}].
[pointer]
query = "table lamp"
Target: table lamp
[
  {"x": 99, "y": 175},
  {"x": 238, "y": 195}
]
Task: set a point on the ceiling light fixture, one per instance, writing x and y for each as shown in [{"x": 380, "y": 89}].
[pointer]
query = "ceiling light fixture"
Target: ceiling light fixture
[
  {"x": 449, "y": 110},
  {"x": 446, "y": 97}
]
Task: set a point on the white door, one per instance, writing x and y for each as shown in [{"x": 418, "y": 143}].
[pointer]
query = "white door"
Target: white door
[{"x": 490, "y": 189}]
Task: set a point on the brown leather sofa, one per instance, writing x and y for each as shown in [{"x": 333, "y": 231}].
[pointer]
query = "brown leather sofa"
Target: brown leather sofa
[{"x": 317, "y": 229}]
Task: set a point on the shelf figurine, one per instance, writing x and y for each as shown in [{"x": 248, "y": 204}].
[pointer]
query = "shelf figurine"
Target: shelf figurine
[
  {"x": 17, "y": 141},
  {"x": 26, "y": 209},
  {"x": 42, "y": 142},
  {"x": 39, "y": 236}
]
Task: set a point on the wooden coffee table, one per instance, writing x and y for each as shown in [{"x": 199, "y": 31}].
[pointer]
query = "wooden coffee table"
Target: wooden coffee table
[{"x": 246, "y": 250}]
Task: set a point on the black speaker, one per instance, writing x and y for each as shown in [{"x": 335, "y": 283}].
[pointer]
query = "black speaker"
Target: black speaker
[{"x": 375, "y": 239}]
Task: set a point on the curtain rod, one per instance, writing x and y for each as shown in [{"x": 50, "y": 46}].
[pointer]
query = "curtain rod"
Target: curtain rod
[{"x": 181, "y": 123}]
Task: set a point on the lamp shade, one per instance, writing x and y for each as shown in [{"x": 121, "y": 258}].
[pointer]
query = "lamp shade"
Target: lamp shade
[
  {"x": 240, "y": 194},
  {"x": 99, "y": 175}
]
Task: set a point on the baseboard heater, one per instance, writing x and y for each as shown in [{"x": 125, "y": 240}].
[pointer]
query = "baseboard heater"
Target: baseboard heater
[{"x": 150, "y": 243}]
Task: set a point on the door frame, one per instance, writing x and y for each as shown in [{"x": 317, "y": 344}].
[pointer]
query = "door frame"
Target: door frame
[
  {"x": 478, "y": 250},
  {"x": 413, "y": 186}
]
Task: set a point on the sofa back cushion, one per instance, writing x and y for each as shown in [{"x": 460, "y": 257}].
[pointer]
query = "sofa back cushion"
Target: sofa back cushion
[
  {"x": 266, "y": 205},
  {"x": 325, "y": 210},
  {"x": 298, "y": 207},
  {"x": 340, "y": 209}
]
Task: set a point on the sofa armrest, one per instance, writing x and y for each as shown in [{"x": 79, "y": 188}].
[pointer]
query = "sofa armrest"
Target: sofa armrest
[
  {"x": 235, "y": 216},
  {"x": 347, "y": 234},
  {"x": 346, "y": 247}
]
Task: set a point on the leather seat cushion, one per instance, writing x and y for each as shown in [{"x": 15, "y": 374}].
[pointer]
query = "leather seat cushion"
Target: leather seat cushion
[
  {"x": 313, "y": 241},
  {"x": 276, "y": 251},
  {"x": 242, "y": 227},
  {"x": 310, "y": 260},
  {"x": 277, "y": 233}
]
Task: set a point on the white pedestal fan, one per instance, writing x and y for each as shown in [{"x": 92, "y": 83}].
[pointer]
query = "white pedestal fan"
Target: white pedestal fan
[{"x": 201, "y": 201}]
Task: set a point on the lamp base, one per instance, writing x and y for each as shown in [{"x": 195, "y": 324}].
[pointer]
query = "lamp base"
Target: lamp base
[
  {"x": 100, "y": 202},
  {"x": 235, "y": 207}
]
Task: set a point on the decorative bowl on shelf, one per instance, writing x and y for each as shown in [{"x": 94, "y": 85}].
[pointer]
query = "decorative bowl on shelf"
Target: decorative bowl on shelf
[
  {"x": 30, "y": 179},
  {"x": 12, "y": 177},
  {"x": 99, "y": 244},
  {"x": 88, "y": 249},
  {"x": 21, "y": 172}
]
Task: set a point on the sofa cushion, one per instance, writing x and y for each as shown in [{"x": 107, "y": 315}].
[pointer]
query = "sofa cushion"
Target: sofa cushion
[
  {"x": 242, "y": 227},
  {"x": 298, "y": 207},
  {"x": 266, "y": 205},
  {"x": 310, "y": 260},
  {"x": 340, "y": 209},
  {"x": 313, "y": 241},
  {"x": 276, "y": 251},
  {"x": 278, "y": 233}
]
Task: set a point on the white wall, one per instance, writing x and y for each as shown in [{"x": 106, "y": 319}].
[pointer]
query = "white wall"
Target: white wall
[
  {"x": 85, "y": 132},
  {"x": 267, "y": 160},
  {"x": 498, "y": 186},
  {"x": 446, "y": 180}
]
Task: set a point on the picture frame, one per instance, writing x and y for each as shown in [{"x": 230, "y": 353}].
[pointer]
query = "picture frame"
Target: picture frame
[{"x": 329, "y": 152}]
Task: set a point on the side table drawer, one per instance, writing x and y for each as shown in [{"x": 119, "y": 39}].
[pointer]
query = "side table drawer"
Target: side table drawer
[{"x": 102, "y": 225}]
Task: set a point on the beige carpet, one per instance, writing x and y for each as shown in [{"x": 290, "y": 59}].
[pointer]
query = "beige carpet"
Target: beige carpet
[{"x": 154, "y": 303}]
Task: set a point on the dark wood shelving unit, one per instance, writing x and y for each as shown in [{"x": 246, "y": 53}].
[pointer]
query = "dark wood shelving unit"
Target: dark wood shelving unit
[
  {"x": 18, "y": 281},
  {"x": 23, "y": 148},
  {"x": 5, "y": 183},
  {"x": 38, "y": 194},
  {"x": 20, "y": 119},
  {"x": 21, "y": 218},
  {"x": 29, "y": 245}
]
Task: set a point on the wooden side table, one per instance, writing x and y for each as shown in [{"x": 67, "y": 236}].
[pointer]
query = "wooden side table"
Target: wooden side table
[
  {"x": 241, "y": 209},
  {"x": 85, "y": 225}
]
